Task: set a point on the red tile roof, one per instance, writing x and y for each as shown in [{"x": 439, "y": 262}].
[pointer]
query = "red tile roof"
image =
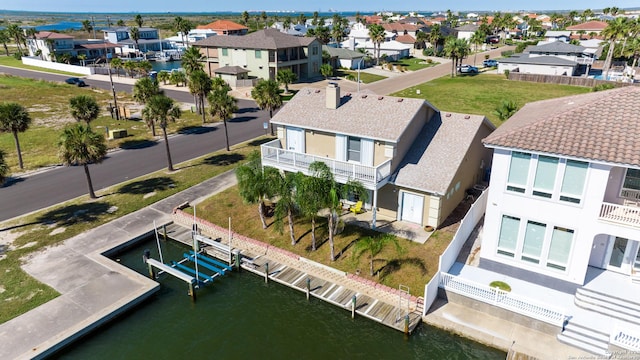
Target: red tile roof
[
  {"x": 601, "y": 126},
  {"x": 589, "y": 26},
  {"x": 222, "y": 25},
  {"x": 405, "y": 39},
  {"x": 52, "y": 35},
  {"x": 399, "y": 27}
]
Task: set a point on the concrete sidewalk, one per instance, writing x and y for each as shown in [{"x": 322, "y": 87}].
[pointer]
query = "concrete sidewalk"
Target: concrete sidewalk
[{"x": 93, "y": 288}]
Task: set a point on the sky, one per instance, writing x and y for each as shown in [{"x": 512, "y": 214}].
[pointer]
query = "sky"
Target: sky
[{"x": 142, "y": 6}]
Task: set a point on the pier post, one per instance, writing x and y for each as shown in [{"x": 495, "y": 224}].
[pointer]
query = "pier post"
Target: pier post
[
  {"x": 308, "y": 288},
  {"x": 353, "y": 307},
  {"x": 406, "y": 324},
  {"x": 152, "y": 274},
  {"x": 266, "y": 273},
  {"x": 192, "y": 292},
  {"x": 236, "y": 263},
  {"x": 164, "y": 232}
]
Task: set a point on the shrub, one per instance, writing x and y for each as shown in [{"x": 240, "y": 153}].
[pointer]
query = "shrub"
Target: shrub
[
  {"x": 602, "y": 87},
  {"x": 351, "y": 77},
  {"x": 500, "y": 285},
  {"x": 428, "y": 52},
  {"x": 487, "y": 56},
  {"x": 506, "y": 73},
  {"x": 17, "y": 56},
  {"x": 506, "y": 53},
  {"x": 508, "y": 42},
  {"x": 429, "y": 61},
  {"x": 390, "y": 66}
]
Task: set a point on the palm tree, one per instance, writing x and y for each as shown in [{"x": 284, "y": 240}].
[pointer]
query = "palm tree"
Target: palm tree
[
  {"x": 116, "y": 63},
  {"x": 82, "y": 58},
  {"x": 245, "y": 18},
  {"x": 285, "y": 188},
  {"x": 135, "y": 35},
  {"x": 80, "y": 146},
  {"x": 130, "y": 67},
  {"x": 586, "y": 15},
  {"x": 4, "y": 39},
  {"x": 16, "y": 33},
  {"x": 200, "y": 85},
  {"x": 191, "y": 60},
  {"x": 164, "y": 76},
  {"x": 435, "y": 36},
  {"x": 506, "y": 109},
  {"x": 451, "y": 51},
  {"x": 326, "y": 70},
  {"x": 14, "y": 118},
  {"x": 138, "y": 20},
  {"x": 286, "y": 77},
  {"x": 86, "y": 26},
  {"x": 476, "y": 39},
  {"x": 372, "y": 246},
  {"x": 178, "y": 78},
  {"x": 177, "y": 26},
  {"x": 267, "y": 96},
  {"x": 616, "y": 30},
  {"x": 463, "y": 49},
  {"x": 377, "y": 36},
  {"x": 144, "y": 67},
  {"x": 255, "y": 183},
  {"x": 4, "y": 168},
  {"x": 263, "y": 16},
  {"x": 162, "y": 110},
  {"x": 309, "y": 203},
  {"x": 84, "y": 108},
  {"x": 120, "y": 23},
  {"x": 144, "y": 89},
  {"x": 52, "y": 49},
  {"x": 286, "y": 23},
  {"x": 222, "y": 105}
]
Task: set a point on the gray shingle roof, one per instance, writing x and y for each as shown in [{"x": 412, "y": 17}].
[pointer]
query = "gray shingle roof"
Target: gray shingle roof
[
  {"x": 539, "y": 60},
  {"x": 373, "y": 117},
  {"x": 438, "y": 152},
  {"x": 468, "y": 27},
  {"x": 231, "y": 70},
  {"x": 600, "y": 126},
  {"x": 557, "y": 47},
  {"x": 271, "y": 39},
  {"x": 342, "y": 53}
]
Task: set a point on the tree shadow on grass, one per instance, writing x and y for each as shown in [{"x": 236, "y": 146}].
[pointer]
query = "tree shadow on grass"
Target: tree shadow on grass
[
  {"x": 73, "y": 214},
  {"x": 240, "y": 119},
  {"x": 396, "y": 264},
  {"x": 137, "y": 144},
  {"x": 223, "y": 159},
  {"x": 259, "y": 142},
  {"x": 147, "y": 186},
  {"x": 195, "y": 130}
]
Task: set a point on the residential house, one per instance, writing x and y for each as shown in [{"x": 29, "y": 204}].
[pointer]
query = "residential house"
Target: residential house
[
  {"x": 344, "y": 58},
  {"x": 563, "y": 209},
  {"x": 555, "y": 58},
  {"x": 225, "y": 27},
  {"x": 415, "y": 161},
  {"x": 557, "y": 35},
  {"x": 149, "y": 40},
  {"x": 392, "y": 49},
  {"x": 263, "y": 53},
  {"x": 49, "y": 46},
  {"x": 466, "y": 31},
  {"x": 403, "y": 29},
  {"x": 588, "y": 27}
]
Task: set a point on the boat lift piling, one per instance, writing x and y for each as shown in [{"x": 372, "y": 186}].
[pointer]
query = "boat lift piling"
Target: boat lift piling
[{"x": 152, "y": 263}]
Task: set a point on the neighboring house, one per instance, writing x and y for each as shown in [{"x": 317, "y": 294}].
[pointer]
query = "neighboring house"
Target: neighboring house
[
  {"x": 403, "y": 29},
  {"x": 557, "y": 35},
  {"x": 555, "y": 58},
  {"x": 235, "y": 76},
  {"x": 149, "y": 39},
  {"x": 344, "y": 58},
  {"x": 392, "y": 49},
  {"x": 594, "y": 26},
  {"x": 466, "y": 31},
  {"x": 360, "y": 32},
  {"x": 225, "y": 27},
  {"x": 263, "y": 53},
  {"x": 52, "y": 45},
  {"x": 180, "y": 42},
  {"x": 415, "y": 161},
  {"x": 563, "y": 208}
]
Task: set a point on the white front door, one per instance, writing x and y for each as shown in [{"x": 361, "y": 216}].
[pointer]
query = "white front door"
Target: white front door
[
  {"x": 295, "y": 139},
  {"x": 412, "y": 207}
]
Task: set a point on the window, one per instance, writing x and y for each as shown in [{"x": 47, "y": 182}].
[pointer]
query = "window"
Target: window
[
  {"x": 353, "y": 149},
  {"x": 508, "y": 235},
  {"x": 573, "y": 181},
  {"x": 258, "y": 54},
  {"x": 560, "y": 248},
  {"x": 533, "y": 241},
  {"x": 314, "y": 50},
  {"x": 518, "y": 172},
  {"x": 545, "y": 179},
  {"x": 632, "y": 179},
  {"x": 225, "y": 51}
]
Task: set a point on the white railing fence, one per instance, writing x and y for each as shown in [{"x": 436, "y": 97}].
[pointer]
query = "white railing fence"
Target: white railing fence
[
  {"x": 450, "y": 254},
  {"x": 627, "y": 215},
  {"x": 503, "y": 299},
  {"x": 626, "y": 336}
]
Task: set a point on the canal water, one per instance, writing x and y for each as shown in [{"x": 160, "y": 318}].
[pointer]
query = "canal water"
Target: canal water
[
  {"x": 239, "y": 316},
  {"x": 165, "y": 65}
]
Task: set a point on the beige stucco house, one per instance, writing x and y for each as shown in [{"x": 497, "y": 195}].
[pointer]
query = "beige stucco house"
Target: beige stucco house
[{"x": 416, "y": 161}]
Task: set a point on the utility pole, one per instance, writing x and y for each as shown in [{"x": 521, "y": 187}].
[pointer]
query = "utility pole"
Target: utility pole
[
  {"x": 93, "y": 26},
  {"x": 113, "y": 89}
]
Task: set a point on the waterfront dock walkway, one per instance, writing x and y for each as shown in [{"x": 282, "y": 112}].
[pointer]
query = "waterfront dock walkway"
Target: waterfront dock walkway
[{"x": 328, "y": 284}]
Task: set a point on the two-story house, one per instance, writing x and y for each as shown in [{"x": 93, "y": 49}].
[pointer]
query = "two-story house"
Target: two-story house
[
  {"x": 225, "y": 27},
  {"x": 48, "y": 46},
  {"x": 563, "y": 208},
  {"x": 416, "y": 161},
  {"x": 149, "y": 39},
  {"x": 553, "y": 58},
  {"x": 263, "y": 53}
]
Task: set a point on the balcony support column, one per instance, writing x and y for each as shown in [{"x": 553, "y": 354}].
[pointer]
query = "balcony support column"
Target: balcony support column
[{"x": 374, "y": 205}]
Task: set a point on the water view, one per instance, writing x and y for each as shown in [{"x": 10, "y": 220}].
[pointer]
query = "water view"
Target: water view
[
  {"x": 241, "y": 316},
  {"x": 165, "y": 65}
]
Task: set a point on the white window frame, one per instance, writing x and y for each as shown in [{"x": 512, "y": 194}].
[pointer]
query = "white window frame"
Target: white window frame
[
  {"x": 348, "y": 157},
  {"x": 624, "y": 179},
  {"x": 512, "y": 187}
]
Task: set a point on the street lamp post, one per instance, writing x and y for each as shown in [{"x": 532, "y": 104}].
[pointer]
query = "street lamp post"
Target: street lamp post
[{"x": 359, "y": 62}]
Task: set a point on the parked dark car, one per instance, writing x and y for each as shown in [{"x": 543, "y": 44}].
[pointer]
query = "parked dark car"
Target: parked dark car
[
  {"x": 492, "y": 39},
  {"x": 490, "y": 63},
  {"x": 76, "y": 81},
  {"x": 468, "y": 69}
]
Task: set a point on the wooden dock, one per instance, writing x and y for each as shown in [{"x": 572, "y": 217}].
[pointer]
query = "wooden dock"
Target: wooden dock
[{"x": 325, "y": 283}]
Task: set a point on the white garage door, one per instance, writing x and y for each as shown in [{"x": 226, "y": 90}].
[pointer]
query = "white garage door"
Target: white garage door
[{"x": 412, "y": 207}]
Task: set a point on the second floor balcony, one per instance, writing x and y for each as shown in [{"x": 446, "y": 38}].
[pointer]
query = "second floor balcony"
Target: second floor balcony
[
  {"x": 372, "y": 177},
  {"x": 625, "y": 214}
]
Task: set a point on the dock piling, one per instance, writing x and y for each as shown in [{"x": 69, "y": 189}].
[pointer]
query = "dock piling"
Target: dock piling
[
  {"x": 406, "y": 324},
  {"x": 164, "y": 232},
  {"x": 308, "y": 288},
  {"x": 353, "y": 307},
  {"x": 266, "y": 273},
  {"x": 192, "y": 292},
  {"x": 236, "y": 263}
]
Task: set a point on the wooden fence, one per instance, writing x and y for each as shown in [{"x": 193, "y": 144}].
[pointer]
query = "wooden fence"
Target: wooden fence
[{"x": 564, "y": 80}]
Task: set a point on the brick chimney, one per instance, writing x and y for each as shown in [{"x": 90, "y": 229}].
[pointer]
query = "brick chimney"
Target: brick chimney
[{"x": 333, "y": 96}]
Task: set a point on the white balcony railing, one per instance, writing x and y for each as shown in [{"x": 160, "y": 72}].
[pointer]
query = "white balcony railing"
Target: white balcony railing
[
  {"x": 626, "y": 336},
  {"x": 620, "y": 214},
  {"x": 630, "y": 194},
  {"x": 369, "y": 176},
  {"x": 506, "y": 300}
]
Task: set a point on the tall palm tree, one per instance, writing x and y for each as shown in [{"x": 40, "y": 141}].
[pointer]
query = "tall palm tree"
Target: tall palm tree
[
  {"x": 267, "y": 96},
  {"x": 200, "y": 85},
  {"x": 286, "y": 77},
  {"x": 14, "y": 118},
  {"x": 178, "y": 78},
  {"x": 4, "y": 39},
  {"x": 82, "y": 58},
  {"x": 162, "y": 109},
  {"x": 245, "y": 18},
  {"x": 84, "y": 108},
  {"x": 255, "y": 183},
  {"x": 78, "y": 145},
  {"x": 164, "y": 76},
  {"x": 191, "y": 60},
  {"x": 286, "y": 206},
  {"x": 138, "y": 20},
  {"x": 143, "y": 90},
  {"x": 135, "y": 36},
  {"x": 4, "y": 168},
  {"x": 183, "y": 26},
  {"x": 177, "y": 26},
  {"x": 222, "y": 105},
  {"x": 435, "y": 36},
  {"x": 87, "y": 26},
  {"x": 463, "y": 49},
  {"x": 309, "y": 203},
  {"x": 616, "y": 30},
  {"x": 451, "y": 51},
  {"x": 15, "y": 32},
  {"x": 116, "y": 63},
  {"x": 263, "y": 16},
  {"x": 377, "y": 36},
  {"x": 372, "y": 246},
  {"x": 476, "y": 39}
]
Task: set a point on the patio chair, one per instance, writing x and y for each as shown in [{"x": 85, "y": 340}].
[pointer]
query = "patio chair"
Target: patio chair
[{"x": 356, "y": 208}]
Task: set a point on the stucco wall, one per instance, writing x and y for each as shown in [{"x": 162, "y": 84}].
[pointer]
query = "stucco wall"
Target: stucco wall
[
  {"x": 537, "y": 69},
  {"x": 320, "y": 143},
  {"x": 85, "y": 70}
]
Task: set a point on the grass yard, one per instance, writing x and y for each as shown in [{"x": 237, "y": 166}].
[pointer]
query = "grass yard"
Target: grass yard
[
  {"x": 413, "y": 267},
  {"x": 20, "y": 293},
  {"x": 413, "y": 64},
  {"x": 48, "y": 105},
  {"x": 365, "y": 77},
  {"x": 481, "y": 94},
  {"x": 13, "y": 62}
]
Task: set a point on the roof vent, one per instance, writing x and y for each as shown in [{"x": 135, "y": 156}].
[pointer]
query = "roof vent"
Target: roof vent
[
  {"x": 448, "y": 115},
  {"x": 317, "y": 91},
  {"x": 364, "y": 96},
  {"x": 380, "y": 97},
  {"x": 400, "y": 100},
  {"x": 467, "y": 117}
]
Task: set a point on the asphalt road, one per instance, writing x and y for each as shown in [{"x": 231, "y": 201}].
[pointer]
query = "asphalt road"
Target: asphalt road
[{"x": 30, "y": 193}]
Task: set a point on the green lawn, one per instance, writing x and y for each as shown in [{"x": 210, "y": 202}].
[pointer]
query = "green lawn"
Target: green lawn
[
  {"x": 20, "y": 293},
  {"x": 481, "y": 94},
  {"x": 11, "y": 61},
  {"x": 365, "y": 77},
  {"x": 413, "y": 64}
]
